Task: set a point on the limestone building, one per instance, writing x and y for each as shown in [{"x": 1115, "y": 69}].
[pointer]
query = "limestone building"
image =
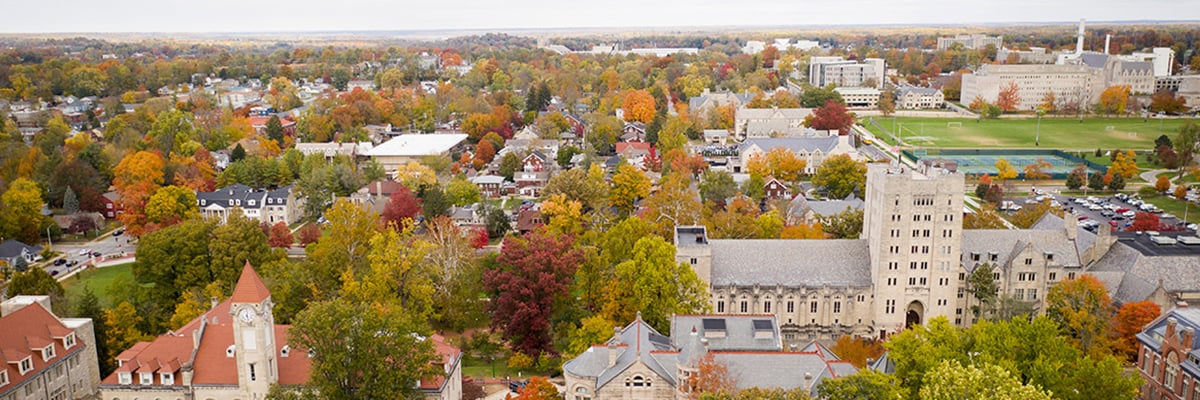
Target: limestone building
[
  {"x": 45, "y": 357},
  {"x": 824, "y": 71},
  {"x": 638, "y": 362},
  {"x": 1074, "y": 84},
  {"x": 971, "y": 42}
]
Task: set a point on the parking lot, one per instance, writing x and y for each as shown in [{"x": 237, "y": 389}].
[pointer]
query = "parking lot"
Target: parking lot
[{"x": 1116, "y": 211}]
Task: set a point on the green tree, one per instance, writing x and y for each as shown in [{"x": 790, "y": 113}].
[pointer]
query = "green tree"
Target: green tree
[
  {"x": 1095, "y": 182},
  {"x": 70, "y": 201},
  {"x": 951, "y": 380},
  {"x": 275, "y": 129},
  {"x": 585, "y": 186},
  {"x": 754, "y": 187},
  {"x": 716, "y": 185},
  {"x": 629, "y": 185},
  {"x": 434, "y": 203},
  {"x": 839, "y": 176},
  {"x": 336, "y": 332},
  {"x": 564, "y": 156},
  {"x": 87, "y": 305},
  {"x": 1186, "y": 143},
  {"x": 461, "y": 192},
  {"x": 173, "y": 131},
  {"x": 594, "y": 330},
  {"x": 238, "y": 241},
  {"x": 864, "y": 385},
  {"x": 651, "y": 282},
  {"x": 344, "y": 248},
  {"x": 175, "y": 259},
  {"x": 36, "y": 281},
  {"x": 509, "y": 164},
  {"x": 1077, "y": 178},
  {"x": 847, "y": 224}
]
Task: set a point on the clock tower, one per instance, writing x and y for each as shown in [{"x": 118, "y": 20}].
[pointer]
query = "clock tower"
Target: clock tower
[{"x": 253, "y": 334}]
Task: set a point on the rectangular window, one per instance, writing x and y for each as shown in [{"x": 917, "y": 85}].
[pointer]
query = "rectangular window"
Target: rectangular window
[
  {"x": 3, "y": 378},
  {"x": 791, "y": 307},
  {"x": 124, "y": 378},
  {"x": 1054, "y": 275},
  {"x": 766, "y": 306},
  {"x": 812, "y": 307},
  {"x": 146, "y": 378},
  {"x": 253, "y": 376},
  {"x": 1019, "y": 293},
  {"x": 48, "y": 352},
  {"x": 26, "y": 365},
  {"x": 69, "y": 341},
  {"x": 995, "y": 276},
  {"x": 744, "y": 306},
  {"x": 720, "y": 306},
  {"x": 924, "y": 281},
  {"x": 1033, "y": 294},
  {"x": 1028, "y": 261},
  {"x": 837, "y": 307},
  {"x": 912, "y": 265},
  {"x": 166, "y": 378}
]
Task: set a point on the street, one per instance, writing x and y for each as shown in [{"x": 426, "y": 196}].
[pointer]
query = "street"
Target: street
[{"x": 106, "y": 245}]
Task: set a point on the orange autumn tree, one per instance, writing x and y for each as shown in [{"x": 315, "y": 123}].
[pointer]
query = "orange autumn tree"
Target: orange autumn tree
[
  {"x": 1009, "y": 97},
  {"x": 857, "y": 350},
  {"x": 538, "y": 388},
  {"x": 803, "y": 231},
  {"x": 711, "y": 377},
  {"x": 1083, "y": 309},
  {"x": 639, "y": 106},
  {"x": 1129, "y": 321},
  {"x": 136, "y": 178}
]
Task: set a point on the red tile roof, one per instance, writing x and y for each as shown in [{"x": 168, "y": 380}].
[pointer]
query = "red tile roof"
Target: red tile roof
[
  {"x": 622, "y": 146},
  {"x": 25, "y": 333},
  {"x": 447, "y": 356},
  {"x": 250, "y": 288}
]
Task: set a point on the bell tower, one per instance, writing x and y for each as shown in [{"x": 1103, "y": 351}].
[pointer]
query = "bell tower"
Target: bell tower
[{"x": 253, "y": 334}]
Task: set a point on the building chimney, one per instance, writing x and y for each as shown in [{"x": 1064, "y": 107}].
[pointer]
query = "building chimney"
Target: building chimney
[
  {"x": 1171, "y": 322},
  {"x": 1079, "y": 38},
  {"x": 1181, "y": 304},
  {"x": 1107, "y": 40},
  {"x": 214, "y": 301},
  {"x": 612, "y": 346},
  {"x": 808, "y": 380}
]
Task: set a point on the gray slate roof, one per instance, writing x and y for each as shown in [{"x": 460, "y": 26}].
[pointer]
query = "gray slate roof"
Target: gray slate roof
[
  {"x": 795, "y": 144},
  {"x": 1084, "y": 239},
  {"x": 790, "y": 263},
  {"x": 1006, "y": 244},
  {"x": 12, "y": 248},
  {"x": 739, "y": 333},
  {"x": 918, "y": 90},
  {"x": 636, "y": 342},
  {"x": 240, "y": 195},
  {"x": 1143, "y": 273}
]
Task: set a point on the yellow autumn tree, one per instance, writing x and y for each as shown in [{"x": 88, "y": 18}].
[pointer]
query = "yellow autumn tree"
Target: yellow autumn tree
[
  {"x": 1005, "y": 169},
  {"x": 639, "y": 106},
  {"x": 1125, "y": 164}
]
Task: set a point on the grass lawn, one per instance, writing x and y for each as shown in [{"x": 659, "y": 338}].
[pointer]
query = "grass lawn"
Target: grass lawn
[
  {"x": 1056, "y": 133},
  {"x": 1175, "y": 207},
  {"x": 98, "y": 280},
  {"x": 481, "y": 369},
  {"x": 1187, "y": 178}
]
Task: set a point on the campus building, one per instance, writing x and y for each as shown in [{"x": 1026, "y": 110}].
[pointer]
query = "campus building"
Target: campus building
[
  {"x": 971, "y": 42},
  {"x": 45, "y": 357},
  {"x": 824, "y": 71},
  {"x": 914, "y": 259},
  {"x": 1078, "y": 85},
  {"x": 1168, "y": 359}
]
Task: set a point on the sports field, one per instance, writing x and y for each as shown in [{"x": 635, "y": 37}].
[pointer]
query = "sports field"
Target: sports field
[{"x": 1056, "y": 133}]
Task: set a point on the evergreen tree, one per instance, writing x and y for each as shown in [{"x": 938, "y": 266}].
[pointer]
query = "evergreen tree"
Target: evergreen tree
[
  {"x": 237, "y": 154},
  {"x": 70, "y": 202},
  {"x": 275, "y": 129},
  {"x": 87, "y": 305}
]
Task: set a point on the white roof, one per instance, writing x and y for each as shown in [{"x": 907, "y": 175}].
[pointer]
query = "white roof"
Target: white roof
[
  {"x": 418, "y": 145},
  {"x": 484, "y": 179}
]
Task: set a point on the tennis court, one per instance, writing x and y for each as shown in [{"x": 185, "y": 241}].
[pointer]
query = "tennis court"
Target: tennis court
[{"x": 979, "y": 162}]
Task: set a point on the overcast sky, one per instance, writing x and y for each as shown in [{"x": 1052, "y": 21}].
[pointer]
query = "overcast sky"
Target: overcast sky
[{"x": 44, "y": 16}]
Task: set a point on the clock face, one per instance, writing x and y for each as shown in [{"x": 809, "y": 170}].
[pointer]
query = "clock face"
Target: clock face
[{"x": 247, "y": 315}]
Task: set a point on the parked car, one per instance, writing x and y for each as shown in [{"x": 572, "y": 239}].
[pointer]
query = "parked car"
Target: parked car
[
  {"x": 85, "y": 252},
  {"x": 516, "y": 386},
  {"x": 60, "y": 261},
  {"x": 96, "y": 254}
]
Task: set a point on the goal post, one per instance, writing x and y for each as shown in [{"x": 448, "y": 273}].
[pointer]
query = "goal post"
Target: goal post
[{"x": 955, "y": 124}]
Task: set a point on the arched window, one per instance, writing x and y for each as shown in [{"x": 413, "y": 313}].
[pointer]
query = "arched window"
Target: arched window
[
  {"x": 638, "y": 381},
  {"x": 1171, "y": 371}
]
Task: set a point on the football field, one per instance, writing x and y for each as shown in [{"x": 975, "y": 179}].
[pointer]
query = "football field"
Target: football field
[{"x": 1056, "y": 132}]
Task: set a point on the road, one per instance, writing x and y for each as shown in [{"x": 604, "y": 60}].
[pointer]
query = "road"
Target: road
[{"x": 106, "y": 245}]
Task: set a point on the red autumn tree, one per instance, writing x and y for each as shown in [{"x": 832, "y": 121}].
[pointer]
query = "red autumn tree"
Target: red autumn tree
[
  {"x": 711, "y": 377},
  {"x": 832, "y": 116},
  {"x": 529, "y": 277},
  {"x": 485, "y": 151},
  {"x": 309, "y": 234},
  {"x": 1129, "y": 321},
  {"x": 479, "y": 238},
  {"x": 402, "y": 206},
  {"x": 280, "y": 236},
  {"x": 1144, "y": 221}
]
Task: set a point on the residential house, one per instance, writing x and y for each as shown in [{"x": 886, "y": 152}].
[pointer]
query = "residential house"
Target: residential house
[
  {"x": 802, "y": 210},
  {"x": 489, "y": 185},
  {"x": 529, "y": 219},
  {"x": 919, "y": 98},
  {"x": 259, "y": 123},
  {"x": 1169, "y": 355},
  {"x": 364, "y": 84},
  {"x": 535, "y": 162},
  {"x": 466, "y": 216},
  {"x": 638, "y": 362},
  {"x": 633, "y": 132},
  {"x": 716, "y": 136},
  {"x": 375, "y": 195},
  {"x": 709, "y": 100},
  {"x": 269, "y": 206},
  {"x": 44, "y": 357},
  {"x": 447, "y": 384},
  {"x": 333, "y": 149},
  {"x": 775, "y": 190},
  {"x": 112, "y": 204},
  {"x": 633, "y": 152},
  {"x": 11, "y": 249}
]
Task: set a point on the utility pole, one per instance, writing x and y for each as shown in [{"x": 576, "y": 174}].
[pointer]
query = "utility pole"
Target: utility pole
[{"x": 1038, "y": 136}]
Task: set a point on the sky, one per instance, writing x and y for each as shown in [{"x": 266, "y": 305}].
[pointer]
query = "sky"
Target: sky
[{"x": 53, "y": 16}]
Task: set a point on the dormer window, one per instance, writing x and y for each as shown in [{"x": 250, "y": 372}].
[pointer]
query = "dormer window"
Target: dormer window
[
  {"x": 25, "y": 365},
  {"x": 167, "y": 378},
  {"x": 250, "y": 202},
  {"x": 231, "y": 202},
  {"x": 283, "y": 353},
  {"x": 203, "y": 201},
  {"x": 229, "y": 351},
  {"x": 124, "y": 378},
  {"x": 48, "y": 352},
  {"x": 69, "y": 341},
  {"x": 146, "y": 378},
  {"x": 3, "y": 378}
]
